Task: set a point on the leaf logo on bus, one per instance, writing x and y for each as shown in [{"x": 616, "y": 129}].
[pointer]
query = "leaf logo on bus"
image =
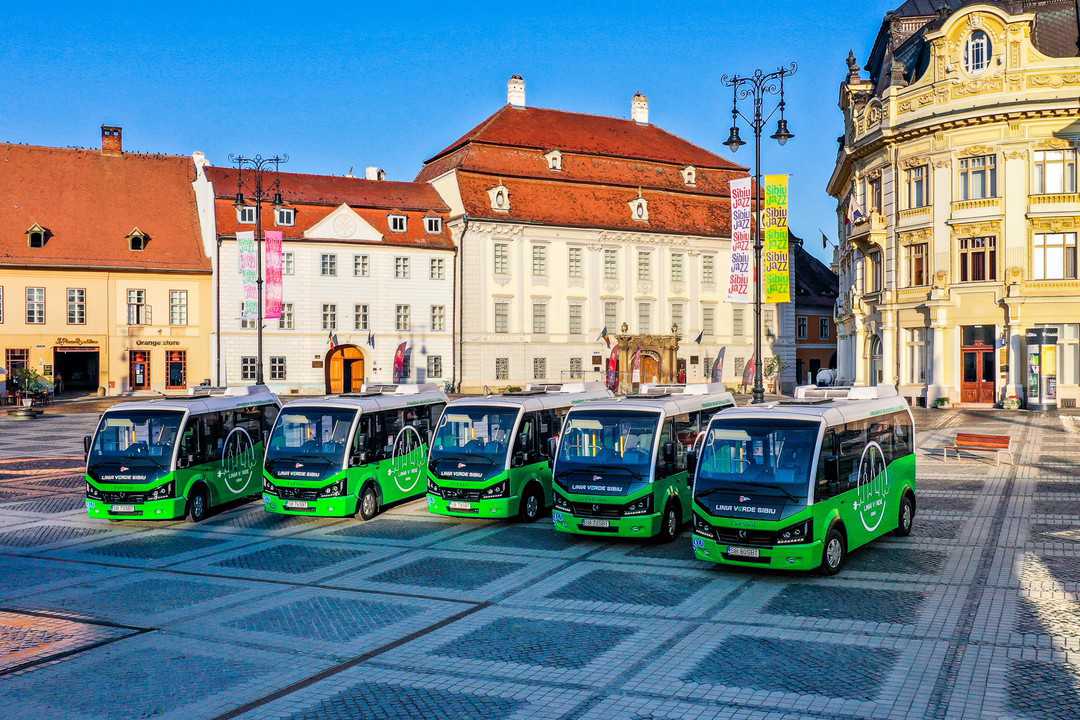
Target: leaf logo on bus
[
  {"x": 873, "y": 486},
  {"x": 597, "y": 478},
  {"x": 743, "y": 498},
  {"x": 123, "y": 468},
  {"x": 297, "y": 466},
  {"x": 460, "y": 465},
  {"x": 237, "y": 459},
  {"x": 405, "y": 470}
]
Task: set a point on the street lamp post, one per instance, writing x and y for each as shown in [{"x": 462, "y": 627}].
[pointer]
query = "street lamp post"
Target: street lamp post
[
  {"x": 272, "y": 192},
  {"x": 756, "y": 87}
]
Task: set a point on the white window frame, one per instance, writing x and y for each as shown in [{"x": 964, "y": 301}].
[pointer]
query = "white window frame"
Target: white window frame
[
  {"x": 539, "y": 318},
  {"x": 708, "y": 320},
  {"x": 284, "y": 216},
  {"x": 361, "y": 265},
  {"x": 644, "y": 318},
  {"x": 249, "y": 368},
  {"x": 433, "y": 225},
  {"x": 611, "y": 264},
  {"x": 434, "y": 366},
  {"x": 1063, "y": 178},
  {"x": 575, "y": 262},
  {"x": 802, "y": 327},
  {"x": 401, "y": 267},
  {"x": 398, "y": 223},
  {"x": 540, "y": 368},
  {"x": 575, "y": 321},
  {"x": 245, "y": 215},
  {"x": 438, "y": 268},
  {"x": 644, "y": 266},
  {"x": 502, "y": 368},
  {"x": 287, "y": 321},
  {"x": 403, "y": 318},
  {"x": 178, "y": 307},
  {"x": 978, "y": 52},
  {"x": 361, "y": 316},
  {"x": 539, "y": 261},
  {"x": 501, "y": 323},
  {"x": 501, "y": 259},
  {"x": 288, "y": 262},
  {"x": 329, "y": 316},
  {"x": 1058, "y": 248},
  {"x": 328, "y": 265},
  {"x": 278, "y": 367},
  {"x": 438, "y": 318}
]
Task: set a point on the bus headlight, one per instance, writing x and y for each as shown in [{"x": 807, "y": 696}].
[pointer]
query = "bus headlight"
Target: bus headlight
[
  {"x": 498, "y": 490},
  {"x": 702, "y": 527},
  {"x": 801, "y": 533},
  {"x": 333, "y": 490},
  {"x": 269, "y": 487},
  {"x": 164, "y": 491},
  {"x": 639, "y": 507},
  {"x": 433, "y": 488},
  {"x": 563, "y": 504},
  {"x": 93, "y": 493}
]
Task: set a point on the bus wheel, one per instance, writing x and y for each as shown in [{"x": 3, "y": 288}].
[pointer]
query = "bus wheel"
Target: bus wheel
[
  {"x": 198, "y": 504},
  {"x": 907, "y": 516},
  {"x": 833, "y": 554},
  {"x": 369, "y": 503},
  {"x": 669, "y": 530},
  {"x": 532, "y": 504}
]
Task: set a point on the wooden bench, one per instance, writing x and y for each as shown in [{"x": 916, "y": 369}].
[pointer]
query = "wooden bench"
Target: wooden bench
[{"x": 996, "y": 444}]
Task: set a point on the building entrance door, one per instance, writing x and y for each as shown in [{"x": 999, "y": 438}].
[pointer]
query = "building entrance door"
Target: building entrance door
[
  {"x": 139, "y": 370},
  {"x": 650, "y": 368},
  {"x": 344, "y": 370},
  {"x": 977, "y": 381}
]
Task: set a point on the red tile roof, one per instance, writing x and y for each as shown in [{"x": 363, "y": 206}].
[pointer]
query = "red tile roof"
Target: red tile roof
[{"x": 89, "y": 203}]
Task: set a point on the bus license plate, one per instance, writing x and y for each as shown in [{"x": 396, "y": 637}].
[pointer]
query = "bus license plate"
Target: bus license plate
[
  {"x": 123, "y": 508},
  {"x": 592, "y": 522},
  {"x": 458, "y": 505},
  {"x": 743, "y": 552},
  {"x": 298, "y": 504}
]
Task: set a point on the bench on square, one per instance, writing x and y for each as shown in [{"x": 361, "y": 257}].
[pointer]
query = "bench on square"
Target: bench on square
[{"x": 976, "y": 442}]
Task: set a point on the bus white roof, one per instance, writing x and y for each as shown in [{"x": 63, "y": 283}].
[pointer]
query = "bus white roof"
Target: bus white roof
[
  {"x": 540, "y": 397},
  {"x": 374, "y": 398},
  {"x": 670, "y": 399},
  {"x": 859, "y": 403},
  {"x": 199, "y": 401}
]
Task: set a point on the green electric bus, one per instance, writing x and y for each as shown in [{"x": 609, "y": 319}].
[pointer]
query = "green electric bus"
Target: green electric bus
[
  {"x": 347, "y": 454},
  {"x": 178, "y": 456},
  {"x": 621, "y": 464},
  {"x": 491, "y": 456},
  {"x": 799, "y": 484}
]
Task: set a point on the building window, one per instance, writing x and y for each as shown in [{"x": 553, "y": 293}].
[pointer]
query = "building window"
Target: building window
[
  {"x": 403, "y": 318},
  {"x": 872, "y": 194},
  {"x": 677, "y": 274},
  {"x": 245, "y": 323},
  {"x": 708, "y": 320},
  {"x": 35, "y": 236},
  {"x": 277, "y": 367},
  {"x": 767, "y": 317},
  {"x": 138, "y": 310},
  {"x": 611, "y": 264},
  {"x": 539, "y": 318},
  {"x": 574, "y": 262},
  {"x": 285, "y": 322},
  {"x": 643, "y": 266},
  {"x": 289, "y": 263},
  {"x": 708, "y": 270},
  {"x": 248, "y": 366},
  {"x": 539, "y": 368},
  {"x": 978, "y": 177},
  {"x": 574, "y": 322},
  {"x": 35, "y": 305},
  {"x": 137, "y": 241},
  {"x": 360, "y": 317},
  {"x": 245, "y": 215},
  {"x": 738, "y": 326},
  {"x": 329, "y": 316},
  {"x": 611, "y": 315},
  {"x": 434, "y": 366},
  {"x": 539, "y": 260},
  {"x": 438, "y": 268},
  {"x": 284, "y": 217},
  {"x": 502, "y": 368},
  {"x": 178, "y": 307},
  {"x": 76, "y": 306},
  {"x": 361, "y": 265},
  {"x": 917, "y": 271},
  {"x": 1055, "y": 171},
  {"x": 824, "y": 328},
  {"x": 917, "y": 356},
  {"x": 978, "y": 259},
  {"x": 977, "y": 52},
  {"x": 740, "y": 365},
  {"x": 502, "y": 317},
  {"x": 175, "y": 369},
  {"x": 16, "y": 359},
  {"x": 433, "y": 225},
  {"x": 1053, "y": 256},
  {"x": 575, "y": 368},
  {"x": 328, "y": 264},
  {"x": 918, "y": 189},
  {"x": 398, "y": 223},
  {"x": 678, "y": 321},
  {"x": 502, "y": 259},
  {"x": 802, "y": 327},
  {"x": 644, "y": 318},
  {"x": 438, "y": 318},
  {"x": 873, "y": 272},
  {"x": 401, "y": 268}
]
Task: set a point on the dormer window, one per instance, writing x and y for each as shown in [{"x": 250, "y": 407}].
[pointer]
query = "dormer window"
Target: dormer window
[
  {"x": 554, "y": 160},
  {"x": 639, "y": 210},
  {"x": 245, "y": 214},
  {"x": 500, "y": 198},
  {"x": 398, "y": 223},
  {"x": 689, "y": 175},
  {"x": 137, "y": 240},
  {"x": 36, "y": 236},
  {"x": 433, "y": 225},
  {"x": 285, "y": 217},
  {"x": 977, "y": 52}
]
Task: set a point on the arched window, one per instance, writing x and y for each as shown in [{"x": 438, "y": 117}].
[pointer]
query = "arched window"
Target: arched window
[
  {"x": 876, "y": 374},
  {"x": 977, "y": 52}
]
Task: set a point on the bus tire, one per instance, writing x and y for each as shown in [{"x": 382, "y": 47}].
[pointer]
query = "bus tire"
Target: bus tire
[
  {"x": 669, "y": 528},
  {"x": 833, "y": 552},
  {"x": 198, "y": 505},
  {"x": 368, "y": 506},
  {"x": 906, "y": 519},
  {"x": 532, "y": 503}
]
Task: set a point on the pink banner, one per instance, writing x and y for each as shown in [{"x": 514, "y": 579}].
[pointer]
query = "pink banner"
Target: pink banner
[
  {"x": 272, "y": 289},
  {"x": 741, "y": 273}
]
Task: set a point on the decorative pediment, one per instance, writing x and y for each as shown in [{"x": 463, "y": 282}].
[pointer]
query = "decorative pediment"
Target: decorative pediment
[
  {"x": 915, "y": 237},
  {"x": 977, "y": 229},
  {"x": 689, "y": 175},
  {"x": 976, "y": 150},
  {"x": 137, "y": 239},
  {"x": 554, "y": 160},
  {"x": 914, "y": 162},
  {"x": 500, "y": 198},
  {"x": 343, "y": 223},
  {"x": 1053, "y": 144},
  {"x": 1055, "y": 224}
]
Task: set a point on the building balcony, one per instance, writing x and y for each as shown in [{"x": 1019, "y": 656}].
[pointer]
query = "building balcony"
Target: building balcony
[
  {"x": 983, "y": 207},
  {"x": 916, "y": 216},
  {"x": 1054, "y": 204},
  {"x": 869, "y": 231}
]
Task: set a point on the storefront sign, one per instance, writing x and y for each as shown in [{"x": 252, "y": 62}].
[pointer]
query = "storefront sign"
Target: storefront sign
[
  {"x": 775, "y": 259},
  {"x": 156, "y": 343},
  {"x": 740, "y": 275},
  {"x": 75, "y": 341},
  {"x": 274, "y": 259},
  {"x": 249, "y": 289}
]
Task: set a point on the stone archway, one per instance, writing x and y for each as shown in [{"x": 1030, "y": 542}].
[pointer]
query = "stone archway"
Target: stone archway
[
  {"x": 344, "y": 369},
  {"x": 659, "y": 360}
]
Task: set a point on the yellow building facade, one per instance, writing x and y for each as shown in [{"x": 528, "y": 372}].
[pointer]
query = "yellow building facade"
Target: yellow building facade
[{"x": 959, "y": 210}]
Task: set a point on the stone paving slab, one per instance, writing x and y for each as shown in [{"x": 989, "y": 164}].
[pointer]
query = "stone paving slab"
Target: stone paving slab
[
  {"x": 1015, "y": 682},
  {"x": 404, "y": 530},
  {"x": 251, "y": 519},
  {"x": 37, "y": 537},
  {"x": 943, "y": 529},
  {"x": 1033, "y": 618},
  {"x": 25, "y": 575},
  {"x": 1035, "y": 570},
  {"x": 926, "y": 563},
  {"x": 641, "y": 707},
  {"x": 47, "y": 505},
  {"x": 26, "y": 639},
  {"x": 153, "y": 548},
  {"x": 677, "y": 553},
  {"x": 534, "y": 540}
]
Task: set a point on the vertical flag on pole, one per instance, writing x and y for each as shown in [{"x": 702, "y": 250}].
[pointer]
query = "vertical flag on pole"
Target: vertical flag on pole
[
  {"x": 739, "y": 288},
  {"x": 249, "y": 288},
  {"x": 399, "y": 363},
  {"x": 776, "y": 268},
  {"x": 718, "y": 367},
  {"x": 613, "y": 369},
  {"x": 272, "y": 304}
]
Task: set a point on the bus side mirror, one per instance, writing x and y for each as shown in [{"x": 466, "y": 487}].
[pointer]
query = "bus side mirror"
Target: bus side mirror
[
  {"x": 669, "y": 452},
  {"x": 518, "y": 460},
  {"x": 183, "y": 462},
  {"x": 553, "y": 447},
  {"x": 86, "y": 445},
  {"x": 691, "y": 463},
  {"x": 357, "y": 459}
]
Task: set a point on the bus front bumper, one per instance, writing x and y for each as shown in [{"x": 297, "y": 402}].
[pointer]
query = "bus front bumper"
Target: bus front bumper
[
  {"x": 491, "y": 508},
  {"x": 339, "y": 506},
  {"x": 168, "y": 509},
  {"x": 801, "y": 556},
  {"x": 632, "y": 526}
]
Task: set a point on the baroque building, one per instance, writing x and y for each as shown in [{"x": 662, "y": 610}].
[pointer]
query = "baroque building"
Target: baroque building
[{"x": 958, "y": 207}]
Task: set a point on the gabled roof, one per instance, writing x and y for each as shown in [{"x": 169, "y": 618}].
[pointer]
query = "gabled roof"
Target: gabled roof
[{"x": 89, "y": 202}]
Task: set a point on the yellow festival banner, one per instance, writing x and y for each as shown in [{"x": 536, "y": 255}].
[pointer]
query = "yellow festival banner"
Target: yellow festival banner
[{"x": 776, "y": 260}]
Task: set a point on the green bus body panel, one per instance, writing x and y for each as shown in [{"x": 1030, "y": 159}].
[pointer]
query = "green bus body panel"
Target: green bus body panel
[
  {"x": 672, "y": 487},
  {"x": 395, "y": 479},
  {"x": 860, "y": 526},
  {"x": 504, "y": 507},
  {"x": 224, "y": 486}
]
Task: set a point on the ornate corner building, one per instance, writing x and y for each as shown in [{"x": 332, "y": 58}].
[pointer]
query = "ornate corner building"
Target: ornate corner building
[{"x": 958, "y": 205}]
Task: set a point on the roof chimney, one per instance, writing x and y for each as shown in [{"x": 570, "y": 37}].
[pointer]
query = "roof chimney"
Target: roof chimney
[
  {"x": 374, "y": 173},
  {"x": 515, "y": 91},
  {"x": 112, "y": 140},
  {"x": 639, "y": 109}
]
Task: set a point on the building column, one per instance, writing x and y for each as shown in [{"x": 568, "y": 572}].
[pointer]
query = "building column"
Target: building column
[
  {"x": 862, "y": 363},
  {"x": 937, "y": 387},
  {"x": 888, "y": 351},
  {"x": 1017, "y": 362}
]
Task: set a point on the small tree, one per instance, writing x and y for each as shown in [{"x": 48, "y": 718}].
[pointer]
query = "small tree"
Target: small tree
[
  {"x": 771, "y": 370},
  {"x": 29, "y": 381}
]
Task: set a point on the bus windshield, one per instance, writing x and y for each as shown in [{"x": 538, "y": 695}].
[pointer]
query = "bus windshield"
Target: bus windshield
[
  {"x": 309, "y": 443},
  {"x": 606, "y": 452},
  {"x": 133, "y": 446},
  {"x": 472, "y": 441},
  {"x": 756, "y": 468}
]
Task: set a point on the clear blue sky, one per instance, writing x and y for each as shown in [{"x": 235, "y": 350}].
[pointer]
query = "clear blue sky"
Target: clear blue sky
[{"x": 340, "y": 86}]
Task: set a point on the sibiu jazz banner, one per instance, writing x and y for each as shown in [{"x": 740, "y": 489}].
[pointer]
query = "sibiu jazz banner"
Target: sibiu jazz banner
[
  {"x": 739, "y": 289},
  {"x": 272, "y": 289},
  {"x": 249, "y": 288},
  {"x": 775, "y": 257}
]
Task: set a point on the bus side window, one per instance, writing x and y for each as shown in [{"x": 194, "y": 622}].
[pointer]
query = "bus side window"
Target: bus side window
[
  {"x": 685, "y": 435},
  {"x": 903, "y": 442},
  {"x": 189, "y": 443},
  {"x": 435, "y": 412},
  {"x": 851, "y": 439},
  {"x": 665, "y": 462},
  {"x": 524, "y": 443},
  {"x": 392, "y": 422},
  {"x": 211, "y": 436},
  {"x": 361, "y": 444},
  {"x": 827, "y": 478},
  {"x": 269, "y": 415}
]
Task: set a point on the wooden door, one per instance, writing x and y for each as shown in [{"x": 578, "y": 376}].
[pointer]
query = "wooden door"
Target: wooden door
[
  {"x": 977, "y": 375},
  {"x": 139, "y": 370},
  {"x": 650, "y": 369},
  {"x": 345, "y": 370}
]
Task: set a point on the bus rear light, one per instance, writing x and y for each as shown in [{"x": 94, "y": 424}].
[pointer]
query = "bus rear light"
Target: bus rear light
[{"x": 801, "y": 533}]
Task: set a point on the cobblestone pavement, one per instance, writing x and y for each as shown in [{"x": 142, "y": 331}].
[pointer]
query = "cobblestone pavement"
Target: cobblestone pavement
[{"x": 977, "y": 614}]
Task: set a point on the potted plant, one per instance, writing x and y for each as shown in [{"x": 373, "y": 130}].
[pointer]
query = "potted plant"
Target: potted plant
[{"x": 941, "y": 403}]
